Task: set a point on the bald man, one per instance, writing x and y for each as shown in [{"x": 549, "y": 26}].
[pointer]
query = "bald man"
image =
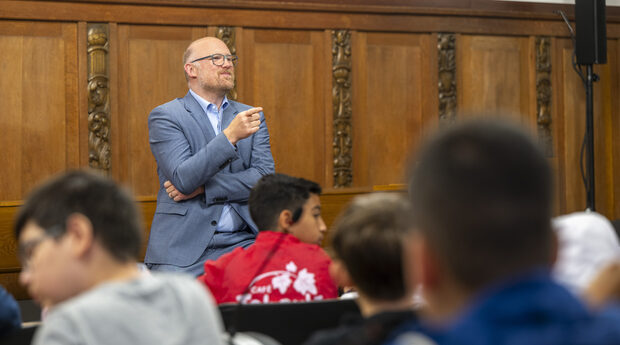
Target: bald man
[{"x": 210, "y": 151}]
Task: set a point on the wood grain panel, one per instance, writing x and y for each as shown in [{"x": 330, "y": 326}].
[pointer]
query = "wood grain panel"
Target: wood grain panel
[
  {"x": 39, "y": 102},
  {"x": 394, "y": 98},
  {"x": 285, "y": 73},
  {"x": 605, "y": 110},
  {"x": 493, "y": 76},
  {"x": 10, "y": 281},
  {"x": 615, "y": 134},
  {"x": 150, "y": 73},
  {"x": 8, "y": 246},
  {"x": 557, "y": 123},
  {"x": 574, "y": 129},
  {"x": 147, "y": 208}
]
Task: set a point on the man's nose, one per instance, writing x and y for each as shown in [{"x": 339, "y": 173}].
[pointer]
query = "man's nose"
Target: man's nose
[{"x": 227, "y": 63}]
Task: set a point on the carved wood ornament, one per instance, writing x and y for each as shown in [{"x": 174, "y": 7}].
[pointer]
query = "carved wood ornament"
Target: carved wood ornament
[
  {"x": 447, "y": 78},
  {"x": 341, "y": 96},
  {"x": 227, "y": 34},
  {"x": 543, "y": 94},
  {"x": 98, "y": 98}
]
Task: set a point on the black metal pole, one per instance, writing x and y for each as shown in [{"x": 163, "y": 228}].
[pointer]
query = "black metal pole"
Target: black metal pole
[{"x": 589, "y": 140}]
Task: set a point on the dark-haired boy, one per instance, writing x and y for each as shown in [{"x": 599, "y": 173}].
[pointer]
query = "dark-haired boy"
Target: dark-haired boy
[
  {"x": 368, "y": 244},
  {"x": 79, "y": 236},
  {"x": 483, "y": 245},
  {"x": 285, "y": 263}
]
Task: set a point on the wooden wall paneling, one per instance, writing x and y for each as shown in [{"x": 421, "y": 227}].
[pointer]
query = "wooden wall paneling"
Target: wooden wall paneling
[
  {"x": 39, "y": 100},
  {"x": 241, "y": 65},
  {"x": 284, "y": 72},
  {"x": 493, "y": 76},
  {"x": 39, "y": 118},
  {"x": 150, "y": 72},
  {"x": 273, "y": 15},
  {"x": 573, "y": 98},
  {"x": 119, "y": 55},
  {"x": 9, "y": 261},
  {"x": 430, "y": 87},
  {"x": 616, "y": 134},
  {"x": 391, "y": 101},
  {"x": 604, "y": 111},
  {"x": 328, "y": 111},
  {"x": 10, "y": 281},
  {"x": 359, "y": 66},
  {"x": 82, "y": 92},
  {"x": 72, "y": 93},
  {"x": 11, "y": 119},
  {"x": 333, "y": 201},
  {"x": 557, "y": 123},
  {"x": 146, "y": 208}
]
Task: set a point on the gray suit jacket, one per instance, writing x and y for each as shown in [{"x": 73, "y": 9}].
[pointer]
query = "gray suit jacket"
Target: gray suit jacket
[{"x": 189, "y": 154}]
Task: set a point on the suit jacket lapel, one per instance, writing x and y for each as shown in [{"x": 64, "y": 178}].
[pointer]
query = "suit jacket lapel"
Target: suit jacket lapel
[
  {"x": 196, "y": 112},
  {"x": 229, "y": 114}
]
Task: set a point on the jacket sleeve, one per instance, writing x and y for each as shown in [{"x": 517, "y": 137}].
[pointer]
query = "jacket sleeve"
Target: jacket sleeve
[
  {"x": 235, "y": 187},
  {"x": 170, "y": 146}
]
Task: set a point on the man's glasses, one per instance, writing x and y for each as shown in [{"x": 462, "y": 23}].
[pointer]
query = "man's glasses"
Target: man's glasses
[
  {"x": 219, "y": 59},
  {"x": 27, "y": 248}
]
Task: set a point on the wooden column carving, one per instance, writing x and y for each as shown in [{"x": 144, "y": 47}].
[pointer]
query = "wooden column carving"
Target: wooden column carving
[
  {"x": 447, "y": 78},
  {"x": 227, "y": 34},
  {"x": 98, "y": 98},
  {"x": 341, "y": 97},
  {"x": 543, "y": 94}
]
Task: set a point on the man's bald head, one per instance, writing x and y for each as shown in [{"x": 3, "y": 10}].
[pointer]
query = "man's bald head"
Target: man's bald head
[
  {"x": 202, "y": 44},
  {"x": 209, "y": 80}
]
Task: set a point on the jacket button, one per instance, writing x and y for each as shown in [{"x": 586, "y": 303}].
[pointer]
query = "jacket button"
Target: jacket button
[{"x": 214, "y": 223}]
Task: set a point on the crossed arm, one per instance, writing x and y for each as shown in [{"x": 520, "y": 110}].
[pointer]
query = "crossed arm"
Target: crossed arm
[{"x": 191, "y": 175}]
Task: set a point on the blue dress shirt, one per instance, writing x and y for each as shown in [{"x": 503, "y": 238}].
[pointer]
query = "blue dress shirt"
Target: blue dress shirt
[{"x": 229, "y": 220}]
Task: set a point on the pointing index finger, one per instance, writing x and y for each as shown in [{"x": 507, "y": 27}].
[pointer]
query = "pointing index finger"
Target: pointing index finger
[{"x": 253, "y": 111}]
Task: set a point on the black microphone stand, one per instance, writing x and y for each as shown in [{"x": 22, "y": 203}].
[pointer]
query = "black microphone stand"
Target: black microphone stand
[
  {"x": 588, "y": 140},
  {"x": 591, "y": 77}
]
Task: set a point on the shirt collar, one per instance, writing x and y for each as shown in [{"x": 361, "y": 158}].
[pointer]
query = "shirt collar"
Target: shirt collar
[{"x": 206, "y": 105}]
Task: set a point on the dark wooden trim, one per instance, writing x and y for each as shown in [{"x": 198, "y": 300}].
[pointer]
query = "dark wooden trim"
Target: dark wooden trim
[
  {"x": 343, "y": 109},
  {"x": 492, "y": 8},
  {"x": 446, "y": 51},
  {"x": 478, "y": 21},
  {"x": 544, "y": 94}
]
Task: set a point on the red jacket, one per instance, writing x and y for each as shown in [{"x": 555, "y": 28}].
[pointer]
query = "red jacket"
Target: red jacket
[{"x": 297, "y": 271}]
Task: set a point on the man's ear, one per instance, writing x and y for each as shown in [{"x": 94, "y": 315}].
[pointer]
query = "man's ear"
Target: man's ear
[
  {"x": 339, "y": 273},
  {"x": 285, "y": 220},
  {"x": 81, "y": 234},
  {"x": 190, "y": 70}
]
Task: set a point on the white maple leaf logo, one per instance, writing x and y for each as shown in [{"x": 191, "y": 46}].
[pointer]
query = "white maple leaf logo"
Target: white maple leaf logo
[
  {"x": 281, "y": 282},
  {"x": 305, "y": 283},
  {"x": 291, "y": 267}
]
